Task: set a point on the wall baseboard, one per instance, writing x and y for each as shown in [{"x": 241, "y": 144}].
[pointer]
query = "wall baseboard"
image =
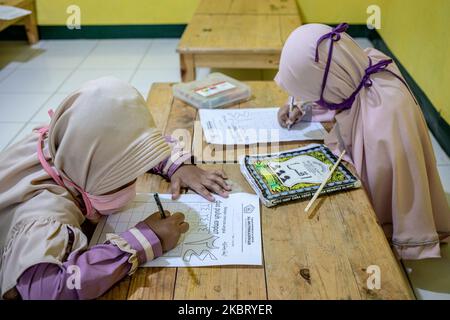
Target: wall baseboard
[
  {"x": 98, "y": 32},
  {"x": 438, "y": 126}
]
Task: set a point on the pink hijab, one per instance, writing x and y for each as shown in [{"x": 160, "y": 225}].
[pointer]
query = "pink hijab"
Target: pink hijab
[{"x": 382, "y": 130}]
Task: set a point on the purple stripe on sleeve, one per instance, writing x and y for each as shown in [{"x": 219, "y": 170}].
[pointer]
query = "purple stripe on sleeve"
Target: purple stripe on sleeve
[
  {"x": 136, "y": 245},
  {"x": 85, "y": 275},
  {"x": 151, "y": 236}
]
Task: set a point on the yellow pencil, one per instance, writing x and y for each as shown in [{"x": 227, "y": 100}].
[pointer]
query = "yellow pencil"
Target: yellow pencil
[{"x": 316, "y": 195}]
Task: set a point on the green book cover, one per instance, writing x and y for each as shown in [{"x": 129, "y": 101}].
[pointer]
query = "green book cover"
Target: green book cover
[{"x": 295, "y": 174}]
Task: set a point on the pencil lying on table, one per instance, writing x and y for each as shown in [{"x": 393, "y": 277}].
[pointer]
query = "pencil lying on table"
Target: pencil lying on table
[{"x": 316, "y": 195}]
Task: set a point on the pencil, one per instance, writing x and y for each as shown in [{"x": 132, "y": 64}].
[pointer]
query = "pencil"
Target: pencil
[
  {"x": 160, "y": 207},
  {"x": 316, "y": 195},
  {"x": 291, "y": 108}
]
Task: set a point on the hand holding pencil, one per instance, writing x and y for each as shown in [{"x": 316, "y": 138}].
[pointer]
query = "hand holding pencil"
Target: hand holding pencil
[
  {"x": 168, "y": 227},
  {"x": 289, "y": 114}
]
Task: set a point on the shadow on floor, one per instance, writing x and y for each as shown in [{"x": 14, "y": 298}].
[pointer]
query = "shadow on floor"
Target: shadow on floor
[
  {"x": 431, "y": 277},
  {"x": 17, "y": 52}
]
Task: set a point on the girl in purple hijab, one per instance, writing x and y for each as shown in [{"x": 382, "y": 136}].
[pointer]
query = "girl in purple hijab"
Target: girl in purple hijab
[{"x": 378, "y": 123}]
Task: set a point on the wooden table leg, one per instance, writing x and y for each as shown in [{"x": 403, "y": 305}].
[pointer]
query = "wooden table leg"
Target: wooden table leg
[
  {"x": 31, "y": 27},
  {"x": 187, "y": 67}
]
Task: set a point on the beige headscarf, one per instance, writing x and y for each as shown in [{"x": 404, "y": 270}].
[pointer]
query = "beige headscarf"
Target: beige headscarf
[
  {"x": 101, "y": 137},
  {"x": 384, "y": 134}
]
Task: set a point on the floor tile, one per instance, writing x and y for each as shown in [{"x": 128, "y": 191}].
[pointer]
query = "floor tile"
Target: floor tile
[
  {"x": 34, "y": 81},
  {"x": 59, "y": 53},
  {"x": 54, "y": 60},
  {"x": 17, "y": 53},
  {"x": 12, "y": 45},
  {"x": 124, "y": 45},
  {"x": 164, "y": 46},
  {"x": 80, "y": 76},
  {"x": 444, "y": 173},
  {"x": 6, "y": 71},
  {"x": 364, "y": 43},
  {"x": 152, "y": 60},
  {"x": 53, "y": 103},
  {"x": 117, "y": 54},
  {"x": 144, "y": 78},
  {"x": 20, "y": 107},
  {"x": 77, "y": 46},
  {"x": 112, "y": 60},
  {"x": 15, "y": 59},
  {"x": 26, "y": 130},
  {"x": 8, "y": 130},
  {"x": 15, "y": 47},
  {"x": 430, "y": 278},
  {"x": 441, "y": 157}
]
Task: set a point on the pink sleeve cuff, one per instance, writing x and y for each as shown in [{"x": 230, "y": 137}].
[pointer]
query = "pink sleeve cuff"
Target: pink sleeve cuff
[{"x": 146, "y": 243}]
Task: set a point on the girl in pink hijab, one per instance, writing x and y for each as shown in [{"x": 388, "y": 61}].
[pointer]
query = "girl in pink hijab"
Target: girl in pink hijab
[
  {"x": 82, "y": 166},
  {"x": 378, "y": 123}
]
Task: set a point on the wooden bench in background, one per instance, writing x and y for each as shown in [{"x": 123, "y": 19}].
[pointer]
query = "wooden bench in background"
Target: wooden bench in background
[
  {"x": 237, "y": 34},
  {"x": 29, "y": 21}
]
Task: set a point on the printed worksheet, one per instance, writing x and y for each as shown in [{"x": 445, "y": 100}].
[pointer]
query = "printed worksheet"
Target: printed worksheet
[
  {"x": 251, "y": 126},
  {"x": 224, "y": 232}
]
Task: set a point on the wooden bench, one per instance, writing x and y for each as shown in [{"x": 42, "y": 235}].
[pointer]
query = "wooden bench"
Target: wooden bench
[
  {"x": 237, "y": 34},
  {"x": 29, "y": 21},
  {"x": 321, "y": 258}
]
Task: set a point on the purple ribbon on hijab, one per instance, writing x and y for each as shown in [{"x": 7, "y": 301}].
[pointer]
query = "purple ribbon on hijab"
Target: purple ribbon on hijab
[{"x": 334, "y": 36}]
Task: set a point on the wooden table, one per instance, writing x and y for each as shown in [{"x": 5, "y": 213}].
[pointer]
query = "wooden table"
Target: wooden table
[
  {"x": 336, "y": 246},
  {"x": 237, "y": 34},
  {"x": 29, "y": 21}
]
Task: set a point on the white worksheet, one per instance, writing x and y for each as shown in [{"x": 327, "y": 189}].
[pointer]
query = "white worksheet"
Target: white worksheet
[
  {"x": 11, "y": 13},
  {"x": 224, "y": 232},
  {"x": 255, "y": 125}
]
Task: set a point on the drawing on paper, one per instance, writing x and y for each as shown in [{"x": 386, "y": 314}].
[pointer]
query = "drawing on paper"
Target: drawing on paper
[
  {"x": 255, "y": 125},
  {"x": 220, "y": 233}
]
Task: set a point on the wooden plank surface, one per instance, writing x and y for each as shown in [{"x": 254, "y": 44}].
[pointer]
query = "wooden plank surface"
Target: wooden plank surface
[
  {"x": 236, "y": 34},
  {"x": 323, "y": 257},
  {"x": 223, "y": 282},
  {"x": 238, "y": 61},
  {"x": 261, "y": 34},
  {"x": 266, "y": 7},
  {"x": 152, "y": 283}
]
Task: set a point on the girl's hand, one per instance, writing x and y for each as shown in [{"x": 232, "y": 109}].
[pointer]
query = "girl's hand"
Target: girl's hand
[
  {"x": 168, "y": 230},
  {"x": 201, "y": 181},
  {"x": 285, "y": 119}
]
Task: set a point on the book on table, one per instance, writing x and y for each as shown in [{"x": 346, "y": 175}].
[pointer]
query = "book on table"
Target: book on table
[{"x": 295, "y": 174}]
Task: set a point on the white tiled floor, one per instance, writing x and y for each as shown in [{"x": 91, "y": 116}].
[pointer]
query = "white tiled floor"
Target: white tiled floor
[
  {"x": 17, "y": 107},
  {"x": 82, "y": 75},
  {"x": 35, "y": 79}
]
